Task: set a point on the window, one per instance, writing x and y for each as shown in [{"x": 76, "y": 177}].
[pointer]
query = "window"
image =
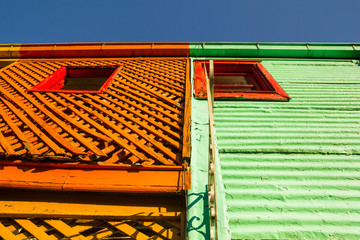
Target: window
[
  {"x": 238, "y": 79},
  {"x": 78, "y": 79}
]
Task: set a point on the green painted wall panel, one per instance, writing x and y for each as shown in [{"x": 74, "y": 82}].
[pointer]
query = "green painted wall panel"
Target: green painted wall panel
[{"x": 291, "y": 170}]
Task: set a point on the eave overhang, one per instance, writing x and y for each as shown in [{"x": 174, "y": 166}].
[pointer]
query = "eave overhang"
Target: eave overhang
[
  {"x": 182, "y": 49},
  {"x": 93, "y": 50},
  {"x": 277, "y": 50}
]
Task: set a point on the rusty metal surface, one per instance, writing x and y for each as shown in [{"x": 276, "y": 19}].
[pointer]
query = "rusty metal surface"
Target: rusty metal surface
[{"x": 137, "y": 121}]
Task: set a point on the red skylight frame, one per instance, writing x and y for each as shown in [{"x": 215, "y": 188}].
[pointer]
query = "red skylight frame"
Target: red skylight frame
[
  {"x": 261, "y": 86},
  {"x": 56, "y": 81}
]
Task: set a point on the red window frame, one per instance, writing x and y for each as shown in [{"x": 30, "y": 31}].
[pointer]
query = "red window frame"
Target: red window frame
[
  {"x": 263, "y": 85},
  {"x": 56, "y": 81}
]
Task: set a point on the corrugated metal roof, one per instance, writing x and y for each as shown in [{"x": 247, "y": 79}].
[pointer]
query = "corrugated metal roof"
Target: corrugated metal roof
[{"x": 291, "y": 169}]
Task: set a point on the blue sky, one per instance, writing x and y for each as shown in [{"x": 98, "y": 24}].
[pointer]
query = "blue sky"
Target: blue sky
[{"x": 49, "y": 21}]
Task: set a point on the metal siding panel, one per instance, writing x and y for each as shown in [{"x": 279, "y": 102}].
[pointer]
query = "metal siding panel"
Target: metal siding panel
[{"x": 291, "y": 170}]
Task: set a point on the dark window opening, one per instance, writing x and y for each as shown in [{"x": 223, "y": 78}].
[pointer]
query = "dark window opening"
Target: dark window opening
[
  {"x": 238, "y": 79},
  {"x": 78, "y": 79}
]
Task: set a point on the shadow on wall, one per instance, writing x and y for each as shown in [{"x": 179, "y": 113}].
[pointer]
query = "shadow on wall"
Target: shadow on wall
[{"x": 200, "y": 224}]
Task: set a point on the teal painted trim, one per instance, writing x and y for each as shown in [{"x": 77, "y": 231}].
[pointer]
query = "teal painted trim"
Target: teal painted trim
[
  {"x": 277, "y": 50},
  {"x": 197, "y": 204}
]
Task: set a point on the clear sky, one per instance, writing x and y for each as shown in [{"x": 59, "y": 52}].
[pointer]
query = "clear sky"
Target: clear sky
[{"x": 54, "y": 21}]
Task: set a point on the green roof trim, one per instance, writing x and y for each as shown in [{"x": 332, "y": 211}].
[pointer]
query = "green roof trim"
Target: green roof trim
[{"x": 277, "y": 50}]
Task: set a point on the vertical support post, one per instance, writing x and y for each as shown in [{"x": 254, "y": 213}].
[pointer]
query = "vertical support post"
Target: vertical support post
[
  {"x": 183, "y": 225},
  {"x": 212, "y": 171},
  {"x": 186, "y": 150}
]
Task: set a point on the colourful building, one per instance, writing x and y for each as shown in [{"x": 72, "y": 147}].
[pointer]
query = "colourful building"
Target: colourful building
[{"x": 113, "y": 141}]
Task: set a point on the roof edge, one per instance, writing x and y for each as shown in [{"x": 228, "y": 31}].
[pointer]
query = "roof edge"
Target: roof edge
[
  {"x": 83, "y": 50},
  {"x": 182, "y": 49},
  {"x": 276, "y": 50}
]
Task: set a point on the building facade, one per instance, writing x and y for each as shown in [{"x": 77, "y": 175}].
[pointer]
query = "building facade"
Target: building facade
[{"x": 114, "y": 140}]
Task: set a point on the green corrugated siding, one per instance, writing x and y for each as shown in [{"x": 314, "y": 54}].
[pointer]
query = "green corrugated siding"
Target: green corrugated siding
[{"x": 291, "y": 170}]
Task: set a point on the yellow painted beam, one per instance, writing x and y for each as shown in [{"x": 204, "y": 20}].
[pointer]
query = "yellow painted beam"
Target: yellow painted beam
[
  {"x": 45, "y": 204},
  {"x": 148, "y": 181},
  {"x": 40, "y": 209}
]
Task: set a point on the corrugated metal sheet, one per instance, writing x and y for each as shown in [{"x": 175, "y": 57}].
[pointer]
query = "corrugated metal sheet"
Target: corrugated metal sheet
[{"x": 291, "y": 170}]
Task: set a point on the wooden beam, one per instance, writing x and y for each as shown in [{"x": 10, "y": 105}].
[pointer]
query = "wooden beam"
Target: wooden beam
[
  {"x": 186, "y": 150},
  {"x": 104, "y": 180},
  {"x": 87, "y": 205}
]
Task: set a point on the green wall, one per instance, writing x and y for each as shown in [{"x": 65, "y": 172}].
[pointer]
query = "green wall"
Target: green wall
[{"x": 291, "y": 169}]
